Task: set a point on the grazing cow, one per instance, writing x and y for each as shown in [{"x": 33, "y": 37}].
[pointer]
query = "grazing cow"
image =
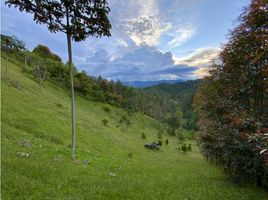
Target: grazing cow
[{"x": 152, "y": 146}]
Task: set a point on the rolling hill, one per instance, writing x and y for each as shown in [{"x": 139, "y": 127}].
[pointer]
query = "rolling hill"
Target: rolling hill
[
  {"x": 143, "y": 84},
  {"x": 178, "y": 88},
  {"x": 111, "y": 161}
]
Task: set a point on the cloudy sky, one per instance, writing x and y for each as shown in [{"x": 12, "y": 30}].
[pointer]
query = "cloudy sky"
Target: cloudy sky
[{"x": 151, "y": 39}]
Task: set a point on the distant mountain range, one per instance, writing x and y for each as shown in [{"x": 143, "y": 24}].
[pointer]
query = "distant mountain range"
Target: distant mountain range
[
  {"x": 143, "y": 84},
  {"x": 177, "y": 89}
]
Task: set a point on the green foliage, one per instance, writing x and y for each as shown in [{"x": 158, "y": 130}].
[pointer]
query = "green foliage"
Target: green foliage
[
  {"x": 143, "y": 136},
  {"x": 105, "y": 122},
  {"x": 130, "y": 155},
  {"x": 44, "y": 52},
  {"x": 11, "y": 43},
  {"x": 174, "y": 121},
  {"x": 166, "y": 141},
  {"x": 87, "y": 18},
  {"x": 184, "y": 148},
  {"x": 83, "y": 83},
  {"x": 178, "y": 96},
  {"x": 59, "y": 105}
]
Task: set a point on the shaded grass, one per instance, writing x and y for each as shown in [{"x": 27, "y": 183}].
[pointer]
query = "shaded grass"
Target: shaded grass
[{"x": 42, "y": 119}]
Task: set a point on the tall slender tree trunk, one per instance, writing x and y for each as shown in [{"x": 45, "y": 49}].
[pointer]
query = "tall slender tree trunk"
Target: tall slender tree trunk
[{"x": 72, "y": 87}]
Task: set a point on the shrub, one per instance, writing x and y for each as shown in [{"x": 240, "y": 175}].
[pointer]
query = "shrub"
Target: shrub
[
  {"x": 105, "y": 122},
  {"x": 45, "y": 52},
  {"x": 184, "y": 148},
  {"x": 166, "y": 141},
  {"x": 107, "y": 109},
  {"x": 59, "y": 105},
  {"x": 143, "y": 136},
  {"x": 160, "y": 142}
]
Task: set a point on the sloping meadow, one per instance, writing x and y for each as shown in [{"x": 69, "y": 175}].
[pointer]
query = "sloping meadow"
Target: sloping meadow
[{"x": 111, "y": 161}]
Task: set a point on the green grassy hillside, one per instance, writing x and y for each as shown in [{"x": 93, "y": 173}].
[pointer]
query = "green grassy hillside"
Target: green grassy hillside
[{"x": 37, "y": 122}]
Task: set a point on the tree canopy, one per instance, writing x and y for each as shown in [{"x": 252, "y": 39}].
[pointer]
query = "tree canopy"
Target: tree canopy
[
  {"x": 233, "y": 101},
  {"x": 87, "y": 17},
  {"x": 44, "y": 51}
]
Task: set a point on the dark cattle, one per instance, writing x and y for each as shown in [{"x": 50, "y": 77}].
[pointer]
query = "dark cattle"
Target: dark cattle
[{"x": 152, "y": 146}]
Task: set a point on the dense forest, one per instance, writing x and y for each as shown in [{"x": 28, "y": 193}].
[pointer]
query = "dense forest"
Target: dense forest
[
  {"x": 181, "y": 94},
  {"x": 233, "y": 100}
]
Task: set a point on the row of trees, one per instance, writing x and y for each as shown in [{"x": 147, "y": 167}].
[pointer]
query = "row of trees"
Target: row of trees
[{"x": 233, "y": 101}]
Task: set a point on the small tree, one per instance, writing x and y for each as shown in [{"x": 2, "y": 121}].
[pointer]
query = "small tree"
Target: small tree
[
  {"x": 40, "y": 73},
  {"x": 77, "y": 19},
  {"x": 143, "y": 136},
  {"x": 166, "y": 141},
  {"x": 105, "y": 122},
  {"x": 184, "y": 148}
]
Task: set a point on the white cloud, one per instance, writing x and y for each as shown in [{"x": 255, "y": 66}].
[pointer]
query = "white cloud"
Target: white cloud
[
  {"x": 147, "y": 22},
  {"x": 135, "y": 20},
  {"x": 137, "y": 63},
  {"x": 181, "y": 36},
  {"x": 201, "y": 58}
]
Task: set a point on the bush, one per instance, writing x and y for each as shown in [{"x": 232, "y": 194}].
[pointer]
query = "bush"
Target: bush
[
  {"x": 107, "y": 109},
  {"x": 143, "y": 136},
  {"x": 160, "y": 142},
  {"x": 105, "y": 122},
  {"x": 166, "y": 141},
  {"x": 184, "y": 148},
  {"x": 59, "y": 105},
  {"x": 45, "y": 52}
]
